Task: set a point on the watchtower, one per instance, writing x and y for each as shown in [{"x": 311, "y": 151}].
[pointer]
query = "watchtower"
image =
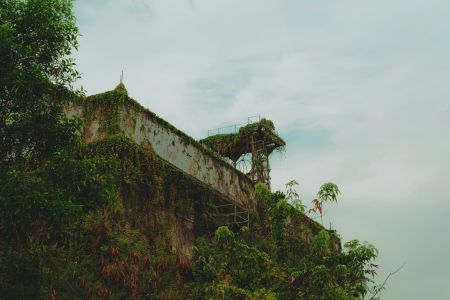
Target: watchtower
[{"x": 247, "y": 148}]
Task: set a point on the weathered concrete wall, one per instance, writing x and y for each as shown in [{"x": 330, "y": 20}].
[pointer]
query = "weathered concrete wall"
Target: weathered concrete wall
[
  {"x": 172, "y": 145},
  {"x": 189, "y": 157}
]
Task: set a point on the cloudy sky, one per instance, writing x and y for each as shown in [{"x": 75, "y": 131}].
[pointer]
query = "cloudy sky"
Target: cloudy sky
[{"x": 359, "y": 90}]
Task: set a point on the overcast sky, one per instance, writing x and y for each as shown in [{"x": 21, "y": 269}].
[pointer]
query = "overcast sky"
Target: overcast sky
[{"x": 358, "y": 89}]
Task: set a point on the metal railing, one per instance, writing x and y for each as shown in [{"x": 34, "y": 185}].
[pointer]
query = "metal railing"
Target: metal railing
[{"x": 234, "y": 128}]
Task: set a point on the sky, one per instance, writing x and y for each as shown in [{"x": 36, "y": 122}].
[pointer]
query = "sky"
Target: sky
[{"x": 358, "y": 89}]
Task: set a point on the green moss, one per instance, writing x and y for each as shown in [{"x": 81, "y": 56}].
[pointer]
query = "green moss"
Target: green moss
[
  {"x": 121, "y": 89},
  {"x": 107, "y": 108}
]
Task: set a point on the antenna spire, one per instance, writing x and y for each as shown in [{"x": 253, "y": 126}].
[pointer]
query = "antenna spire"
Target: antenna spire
[{"x": 121, "y": 77}]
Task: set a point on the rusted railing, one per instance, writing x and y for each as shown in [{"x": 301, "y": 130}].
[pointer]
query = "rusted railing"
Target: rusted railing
[{"x": 234, "y": 128}]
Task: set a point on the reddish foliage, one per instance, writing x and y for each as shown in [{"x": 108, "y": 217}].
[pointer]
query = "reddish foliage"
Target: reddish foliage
[
  {"x": 114, "y": 271},
  {"x": 184, "y": 264},
  {"x": 134, "y": 280},
  {"x": 114, "y": 250},
  {"x": 317, "y": 207},
  {"x": 173, "y": 191},
  {"x": 134, "y": 256},
  {"x": 161, "y": 265},
  {"x": 152, "y": 285},
  {"x": 53, "y": 295},
  {"x": 102, "y": 292},
  {"x": 147, "y": 261}
]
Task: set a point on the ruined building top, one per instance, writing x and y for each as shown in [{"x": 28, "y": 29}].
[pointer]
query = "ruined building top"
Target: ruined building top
[{"x": 248, "y": 148}]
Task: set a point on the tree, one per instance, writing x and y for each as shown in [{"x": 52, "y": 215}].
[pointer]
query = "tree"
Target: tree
[
  {"x": 45, "y": 184},
  {"x": 36, "y": 38},
  {"x": 328, "y": 192}
]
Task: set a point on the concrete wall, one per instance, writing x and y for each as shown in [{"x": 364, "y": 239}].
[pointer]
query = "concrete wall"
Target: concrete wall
[{"x": 143, "y": 126}]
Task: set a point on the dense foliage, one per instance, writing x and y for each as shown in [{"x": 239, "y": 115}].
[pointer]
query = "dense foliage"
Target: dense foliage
[
  {"x": 279, "y": 259},
  {"x": 45, "y": 186},
  {"x": 36, "y": 38}
]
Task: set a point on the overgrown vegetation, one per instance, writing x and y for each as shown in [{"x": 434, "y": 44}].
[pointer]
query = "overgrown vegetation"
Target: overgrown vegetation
[
  {"x": 45, "y": 188},
  {"x": 285, "y": 256},
  {"x": 234, "y": 145},
  {"x": 107, "y": 106},
  {"x": 102, "y": 220}
]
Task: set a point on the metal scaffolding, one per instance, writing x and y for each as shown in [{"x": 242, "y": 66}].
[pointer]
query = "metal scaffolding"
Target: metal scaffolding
[{"x": 231, "y": 214}]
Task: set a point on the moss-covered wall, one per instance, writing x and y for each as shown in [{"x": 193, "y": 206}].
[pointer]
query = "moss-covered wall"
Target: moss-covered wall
[
  {"x": 114, "y": 112},
  {"x": 164, "y": 203}
]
